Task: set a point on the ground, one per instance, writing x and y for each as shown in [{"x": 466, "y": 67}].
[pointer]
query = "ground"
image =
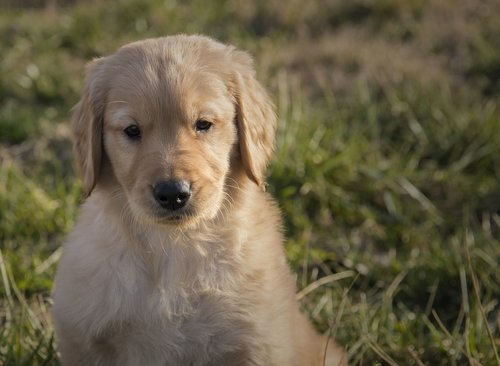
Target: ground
[{"x": 387, "y": 165}]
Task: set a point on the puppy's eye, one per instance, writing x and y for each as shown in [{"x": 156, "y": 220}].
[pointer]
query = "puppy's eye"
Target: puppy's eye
[
  {"x": 203, "y": 125},
  {"x": 133, "y": 132}
]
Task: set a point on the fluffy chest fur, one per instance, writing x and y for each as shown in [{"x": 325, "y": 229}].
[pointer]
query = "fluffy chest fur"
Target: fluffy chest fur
[{"x": 160, "y": 297}]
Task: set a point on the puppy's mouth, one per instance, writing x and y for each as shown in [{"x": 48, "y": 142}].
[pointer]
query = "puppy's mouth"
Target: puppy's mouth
[{"x": 174, "y": 218}]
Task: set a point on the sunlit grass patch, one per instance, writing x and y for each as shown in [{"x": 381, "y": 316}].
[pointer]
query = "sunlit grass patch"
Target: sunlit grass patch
[
  {"x": 390, "y": 188},
  {"x": 26, "y": 329},
  {"x": 38, "y": 201}
]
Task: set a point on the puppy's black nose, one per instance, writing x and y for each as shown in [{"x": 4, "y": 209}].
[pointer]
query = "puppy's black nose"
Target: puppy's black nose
[{"x": 172, "y": 195}]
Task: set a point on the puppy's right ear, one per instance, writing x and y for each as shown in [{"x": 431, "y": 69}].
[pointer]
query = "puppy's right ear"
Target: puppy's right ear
[
  {"x": 87, "y": 123},
  {"x": 255, "y": 119}
]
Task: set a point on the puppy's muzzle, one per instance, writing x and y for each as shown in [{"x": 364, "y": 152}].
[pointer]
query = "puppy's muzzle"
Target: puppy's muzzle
[{"x": 172, "y": 195}]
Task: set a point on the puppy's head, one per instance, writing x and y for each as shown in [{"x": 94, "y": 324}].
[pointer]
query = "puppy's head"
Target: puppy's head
[{"x": 174, "y": 117}]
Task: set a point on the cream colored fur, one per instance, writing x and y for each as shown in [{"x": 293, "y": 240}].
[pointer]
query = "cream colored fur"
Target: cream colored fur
[{"x": 209, "y": 285}]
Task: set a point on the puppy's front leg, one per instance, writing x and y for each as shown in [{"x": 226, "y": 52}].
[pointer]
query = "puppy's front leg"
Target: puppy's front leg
[
  {"x": 245, "y": 357},
  {"x": 76, "y": 352}
]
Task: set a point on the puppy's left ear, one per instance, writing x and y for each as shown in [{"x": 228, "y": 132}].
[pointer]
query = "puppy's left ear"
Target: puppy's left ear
[
  {"x": 255, "y": 118},
  {"x": 87, "y": 126}
]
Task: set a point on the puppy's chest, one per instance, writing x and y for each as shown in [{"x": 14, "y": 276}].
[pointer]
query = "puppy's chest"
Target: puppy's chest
[{"x": 178, "y": 316}]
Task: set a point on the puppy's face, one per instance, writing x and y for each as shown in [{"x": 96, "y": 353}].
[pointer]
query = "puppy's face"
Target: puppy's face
[
  {"x": 169, "y": 142},
  {"x": 169, "y": 116}
]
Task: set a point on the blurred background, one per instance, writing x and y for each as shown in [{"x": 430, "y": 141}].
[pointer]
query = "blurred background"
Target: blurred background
[{"x": 387, "y": 166}]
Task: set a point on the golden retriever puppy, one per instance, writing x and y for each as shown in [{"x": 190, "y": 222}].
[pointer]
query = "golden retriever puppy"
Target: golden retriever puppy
[{"x": 177, "y": 257}]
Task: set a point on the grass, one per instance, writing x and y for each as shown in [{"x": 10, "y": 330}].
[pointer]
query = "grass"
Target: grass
[{"x": 387, "y": 166}]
